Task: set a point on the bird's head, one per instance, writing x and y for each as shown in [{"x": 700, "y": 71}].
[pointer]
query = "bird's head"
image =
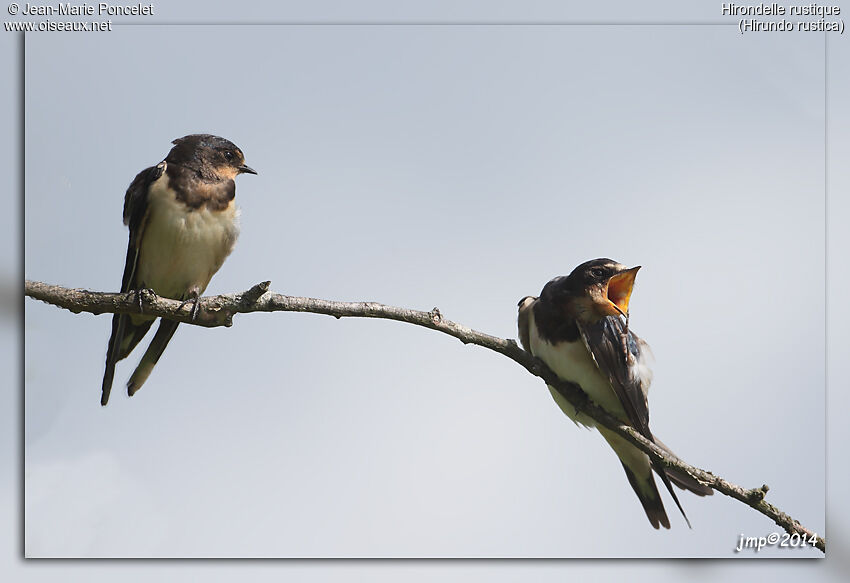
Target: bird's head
[
  {"x": 210, "y": 155},
  {"x": 595, "y": 289}
]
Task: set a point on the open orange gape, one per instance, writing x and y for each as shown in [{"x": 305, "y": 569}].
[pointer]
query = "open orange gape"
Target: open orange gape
[{"x": 619, "y": 290}]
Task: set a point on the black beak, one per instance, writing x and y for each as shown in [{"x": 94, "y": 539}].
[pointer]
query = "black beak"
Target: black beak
[{"x": 245, "y": 169}]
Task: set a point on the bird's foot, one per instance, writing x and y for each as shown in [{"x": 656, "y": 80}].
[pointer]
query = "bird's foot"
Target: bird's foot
[
  {"x": 196, "y": 303},
  {"x": 141, "y": 292}
]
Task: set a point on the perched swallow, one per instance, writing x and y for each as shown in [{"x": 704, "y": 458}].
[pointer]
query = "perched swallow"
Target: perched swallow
[
  {"x": 579, "y": 328},
  {"x": 183, "y": 224}
]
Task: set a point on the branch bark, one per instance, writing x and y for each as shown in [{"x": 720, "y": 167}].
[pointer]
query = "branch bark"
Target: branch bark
[{"x": 219, "y": 311}]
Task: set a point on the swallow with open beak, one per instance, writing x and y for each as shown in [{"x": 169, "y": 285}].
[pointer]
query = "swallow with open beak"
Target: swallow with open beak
[
  {"x": 579, "y": 328},
  {"x": 183, "y": 224}
]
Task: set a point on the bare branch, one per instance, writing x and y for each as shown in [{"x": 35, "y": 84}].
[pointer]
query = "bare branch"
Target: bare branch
[{"x": 219, "y": 311}]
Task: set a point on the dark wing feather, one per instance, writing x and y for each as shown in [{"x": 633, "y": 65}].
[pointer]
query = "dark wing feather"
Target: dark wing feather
[
  {"x": 608, "y": 343},
  {"x": 135, "y": 214},
  {"x": 125, "y": 335},
  {"x": 616, "y": 352},
  {"x": 523, "y": 320}
]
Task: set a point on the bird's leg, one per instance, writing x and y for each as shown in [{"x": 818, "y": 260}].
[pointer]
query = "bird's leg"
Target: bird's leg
[
  {"x": 194, "y": 297},
  {"x": 138, "y": 292}
]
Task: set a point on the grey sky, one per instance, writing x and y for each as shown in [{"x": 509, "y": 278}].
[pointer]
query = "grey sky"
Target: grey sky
[{"x": 422, "y": 166}]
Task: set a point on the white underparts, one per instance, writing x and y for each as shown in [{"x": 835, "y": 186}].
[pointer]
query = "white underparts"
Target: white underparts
[
  {"x": 572, "y": 361},
  {"x": 182, "y": 248}
]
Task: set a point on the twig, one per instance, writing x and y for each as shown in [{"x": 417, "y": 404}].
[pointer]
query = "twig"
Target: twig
[{"x": 219, "y": 311}]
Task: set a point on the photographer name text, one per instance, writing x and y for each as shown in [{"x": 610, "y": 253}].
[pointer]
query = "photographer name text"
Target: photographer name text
[{"x": 85, "y": 9}]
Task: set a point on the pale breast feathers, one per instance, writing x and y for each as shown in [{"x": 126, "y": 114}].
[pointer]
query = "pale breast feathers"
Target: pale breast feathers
[{"x": 183, "y": 247}]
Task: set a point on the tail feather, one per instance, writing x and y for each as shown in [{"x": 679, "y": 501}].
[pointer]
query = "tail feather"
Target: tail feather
[
  {"x": 639, "y": 471},
  {"x": 118, "y": 323},
  {"x": 686, "y": 482},
  {"x": 639, "y": 468},
  {"x": 663, "y": 475},
  {"x": 125, "y": 335},
  {"x": 151, "y": 357},
  {"x": 682, "y": 479},
  {"x": 133, "y": 333},
  {"x": 651, "y": 501}
]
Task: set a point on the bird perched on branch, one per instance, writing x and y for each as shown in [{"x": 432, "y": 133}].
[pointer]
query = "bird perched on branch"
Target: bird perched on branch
[
  {"x": 579, "y": 328},
  {"x": 183, "y": 224}
]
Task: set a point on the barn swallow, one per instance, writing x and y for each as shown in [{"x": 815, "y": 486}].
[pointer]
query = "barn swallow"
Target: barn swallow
[
  {"x": 183, "y": 224},
  {"x": 579, "y": 328}
]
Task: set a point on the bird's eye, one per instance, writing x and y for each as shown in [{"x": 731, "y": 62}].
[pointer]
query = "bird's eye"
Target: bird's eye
[
  {"x": 597, "y": 272},
  {"x": 229, "y": 155}
]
